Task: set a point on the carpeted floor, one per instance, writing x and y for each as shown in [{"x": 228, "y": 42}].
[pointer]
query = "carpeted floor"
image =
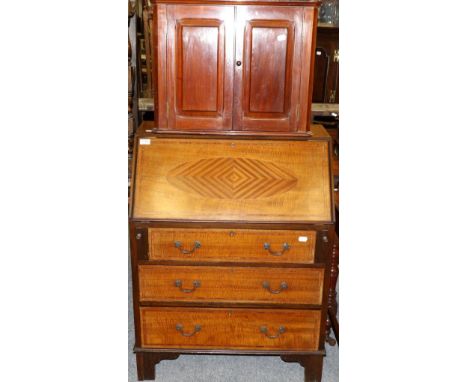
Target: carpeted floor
[{"x": 188, "y": 368}]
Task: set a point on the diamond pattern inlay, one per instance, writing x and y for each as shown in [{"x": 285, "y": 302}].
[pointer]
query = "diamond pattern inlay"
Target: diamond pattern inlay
[{"x": 231, "y": 178}]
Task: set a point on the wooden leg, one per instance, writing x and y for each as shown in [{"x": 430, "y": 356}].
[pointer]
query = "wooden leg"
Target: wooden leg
[
  {"x": 312, "y": 365},
  {"x": 332, "y": 304},
  {"x": 146, "y": 364}
]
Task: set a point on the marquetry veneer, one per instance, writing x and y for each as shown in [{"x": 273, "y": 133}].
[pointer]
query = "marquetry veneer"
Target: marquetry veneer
[{"x": 230, "y": 245}]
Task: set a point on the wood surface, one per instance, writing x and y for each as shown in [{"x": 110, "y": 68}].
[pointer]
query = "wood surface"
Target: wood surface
[
  {"x": 199, "y": 59},
  {"x": 229, "y": 328},
  {"x": 236, "y": 245},
  {"x": 234, "y": 68},
  {"x": 231, "y": 284},
  {"x": 286, "y": 3},
  {"x": 267, "y": 84},
  {"x": 227, "y": 180}
]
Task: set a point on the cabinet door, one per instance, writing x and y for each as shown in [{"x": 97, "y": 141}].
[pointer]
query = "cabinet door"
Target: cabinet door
[
  {"x": 196, "y": 59},
  {"x": 273, "y": 63}
]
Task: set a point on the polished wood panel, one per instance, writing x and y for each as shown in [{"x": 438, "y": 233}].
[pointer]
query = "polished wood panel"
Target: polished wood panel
[
  {"x": 200, "y": 43},
  {"x": 270, "y": 42},
  {"x": 230, "y": 180},
  {"x": 236, "y": 245},
  {"x": 199, "y": 60},
  {"x": 229, "y": 328},
  {"x": 301, "y": 3},
  {"x": 267, "y": 87},
  {"x": 231, "y": 284}
]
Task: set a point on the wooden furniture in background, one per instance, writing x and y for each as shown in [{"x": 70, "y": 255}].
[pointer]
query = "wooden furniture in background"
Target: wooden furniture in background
[
  {"x": 131, "y": 94},
  {"x": 326, "y": 65},
  {"x": 148, "y": 90}
]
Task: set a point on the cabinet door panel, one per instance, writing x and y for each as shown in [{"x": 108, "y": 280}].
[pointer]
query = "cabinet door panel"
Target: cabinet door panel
[
  {"x": 268, "y": 56},
  {"x": 199, "y": 59},
  {"x": 272, "y": 62}
]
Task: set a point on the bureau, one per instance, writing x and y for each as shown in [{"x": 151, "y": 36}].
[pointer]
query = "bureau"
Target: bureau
[{"x": 230, "y": 243}]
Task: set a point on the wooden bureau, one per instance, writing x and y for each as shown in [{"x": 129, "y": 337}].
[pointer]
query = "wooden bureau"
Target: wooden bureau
[{"x": 230, "y": 243}]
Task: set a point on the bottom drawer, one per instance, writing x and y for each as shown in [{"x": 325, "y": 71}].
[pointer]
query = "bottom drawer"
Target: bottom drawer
[{"x": 215, "y": 328}]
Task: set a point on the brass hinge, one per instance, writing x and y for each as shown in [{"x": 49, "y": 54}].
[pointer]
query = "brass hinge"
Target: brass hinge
[
  {"x": 331, "y": 99},
  {"x": 336, "y": 55}
]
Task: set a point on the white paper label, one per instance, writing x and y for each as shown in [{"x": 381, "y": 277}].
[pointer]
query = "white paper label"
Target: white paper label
[
  {"x": 145, "y": 141},
  {"x": 281, "y": 37},
  {"x": 303, "y": 239}
]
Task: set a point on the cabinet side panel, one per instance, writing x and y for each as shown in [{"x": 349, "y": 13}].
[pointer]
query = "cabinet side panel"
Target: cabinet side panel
[{"x": 160, "y": 40}]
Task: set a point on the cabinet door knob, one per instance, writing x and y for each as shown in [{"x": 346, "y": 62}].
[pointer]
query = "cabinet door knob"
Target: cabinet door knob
[{"x": 238, "y": 63}]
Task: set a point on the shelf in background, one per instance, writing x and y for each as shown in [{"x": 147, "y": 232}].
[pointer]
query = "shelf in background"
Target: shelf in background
[{"x": 146, "y": 104}]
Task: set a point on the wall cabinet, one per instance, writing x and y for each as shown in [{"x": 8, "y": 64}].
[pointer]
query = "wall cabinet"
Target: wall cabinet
[{"x": 234, "y": 68}]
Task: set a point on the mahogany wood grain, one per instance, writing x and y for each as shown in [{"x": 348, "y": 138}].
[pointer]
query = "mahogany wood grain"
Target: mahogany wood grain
[
  {"x": 231, "y": 284},
  {"x": 267, "y": 83},
  {"x": 306, "y": 3},
  {"x": 231, "y": 245},
  {"x": 199, "y": 59},
  {"x": 307, "y": 77},
  {"x": 316, "y": 131},
  {"x": 229, "y": 328},
  {"x": 160, "y": 60},
  {"x": 227, "y": 180},
  {"x": 244, "y": 67}
]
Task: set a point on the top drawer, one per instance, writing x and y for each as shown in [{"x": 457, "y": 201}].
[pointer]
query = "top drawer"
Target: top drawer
[{"x": 236, "y": 245}]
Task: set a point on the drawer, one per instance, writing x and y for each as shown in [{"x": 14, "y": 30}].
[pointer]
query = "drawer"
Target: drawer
[
  {"x": 240, "y": 245},
  {"x": 231, "y": 284},
  {"x": 262, "y": 329}
]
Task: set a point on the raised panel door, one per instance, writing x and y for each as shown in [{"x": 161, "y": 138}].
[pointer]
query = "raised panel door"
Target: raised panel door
[
  {"x": 272, "y": 71},
  {"x": 198, "y": 67}
]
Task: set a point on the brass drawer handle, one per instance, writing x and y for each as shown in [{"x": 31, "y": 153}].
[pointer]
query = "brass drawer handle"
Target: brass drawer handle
[
  {"x": 180, "y": 328},
  {"x": 196, "y": 284},
  {"x": 267, "y": 247},
  {"x": 283, "y": 286},
  {"x": 178, "y": 245},
  {"x": 264, "y": 330}
]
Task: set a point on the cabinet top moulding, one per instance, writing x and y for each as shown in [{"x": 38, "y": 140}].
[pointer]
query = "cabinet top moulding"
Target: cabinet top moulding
[{"x": 243, "y": 2}]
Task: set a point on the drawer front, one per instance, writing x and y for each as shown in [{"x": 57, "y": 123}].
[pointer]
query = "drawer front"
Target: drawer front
[
  {"x": 231, "y": 284},
  {"x": 262, "y": 329},
  {"x": 240, "y": 245}
]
